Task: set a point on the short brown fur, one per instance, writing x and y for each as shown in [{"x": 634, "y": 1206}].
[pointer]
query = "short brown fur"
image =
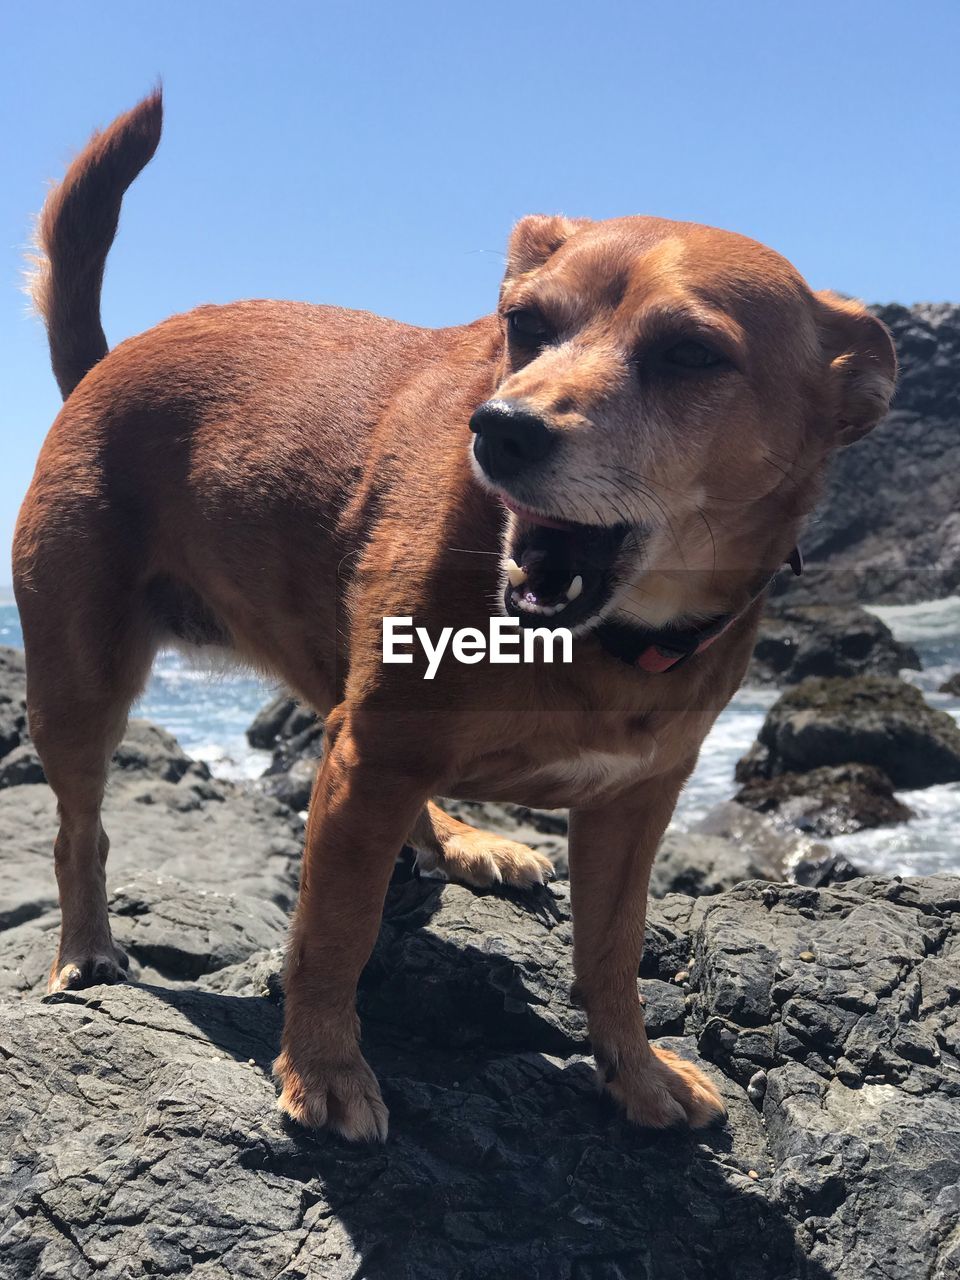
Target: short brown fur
[{"x": 279, "y": 477}]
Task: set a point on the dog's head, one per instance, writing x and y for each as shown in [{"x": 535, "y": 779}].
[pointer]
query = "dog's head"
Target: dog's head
[{"x": 668, "y": 398}]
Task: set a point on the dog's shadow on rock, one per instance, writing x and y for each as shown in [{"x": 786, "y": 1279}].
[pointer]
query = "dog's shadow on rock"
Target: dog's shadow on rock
[{"x": 503, "y": 1159}]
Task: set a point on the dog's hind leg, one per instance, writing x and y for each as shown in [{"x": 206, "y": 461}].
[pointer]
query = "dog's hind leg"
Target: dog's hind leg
[
  {"x": 447, "y": 847},
  {"x": 86, "y": 662}
]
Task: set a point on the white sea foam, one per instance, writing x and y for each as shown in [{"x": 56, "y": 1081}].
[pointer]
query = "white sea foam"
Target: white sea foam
[
  {"x": 241, "y": 764},
  {"x": 930, "y": 842},
  {"x": 927, "y": 623},
  {"x": 933, "y": 629}
]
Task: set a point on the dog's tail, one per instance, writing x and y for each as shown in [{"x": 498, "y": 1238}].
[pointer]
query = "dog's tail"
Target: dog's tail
[{"x": 74, "y": 233}]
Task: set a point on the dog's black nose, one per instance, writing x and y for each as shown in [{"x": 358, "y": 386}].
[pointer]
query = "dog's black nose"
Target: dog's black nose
[{"x": 509, "y": 438}]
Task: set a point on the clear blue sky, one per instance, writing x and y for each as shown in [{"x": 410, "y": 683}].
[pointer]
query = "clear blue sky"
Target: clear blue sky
[{"x": 375, "y": 155}]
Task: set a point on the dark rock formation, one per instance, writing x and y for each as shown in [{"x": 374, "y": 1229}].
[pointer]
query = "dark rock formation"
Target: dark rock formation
[
  {"x": 829, "y": 801},
  {"x": 887, "y": 529},
  {"x": 952, "y": 685},
  {"x": 140, "y": 1134},
  {"x": 294, "y": 734},
  {"x": 19, "y": 766},
  {"x": 817, "y": 873},
  {"x": 797, "y": 641},
  {"x": 769, "y": 846},
  {"x": 13, "y": 701},
  {"x": 871, "y": 720},
  {"x": 280, "y": 719},
  {"x": 700, "y": 864},
  {"x": 772, "y": 851}
]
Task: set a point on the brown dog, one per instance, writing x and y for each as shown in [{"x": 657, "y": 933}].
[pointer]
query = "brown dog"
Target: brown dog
[{"x": 652, "y": 407}]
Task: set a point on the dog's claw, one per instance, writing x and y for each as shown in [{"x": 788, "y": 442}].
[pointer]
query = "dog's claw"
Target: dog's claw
[
  {"x": 89, "y": 971},
  {"x": 344, "y": 1097},
  {"x": 482, "y": 859},
  {"x": 667, "y": 1091}
]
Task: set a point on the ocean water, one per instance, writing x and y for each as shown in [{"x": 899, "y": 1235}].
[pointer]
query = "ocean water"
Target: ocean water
[
  {"x": 206, "y": 708},
  {"x": 931, "y": 841},
  {"x": 209, "y": 711}
]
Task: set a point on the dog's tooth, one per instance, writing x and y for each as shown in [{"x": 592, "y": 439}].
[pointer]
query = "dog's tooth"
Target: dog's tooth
[
  {"x": 575, "y": 587},
  {"x": 516, "y": 575}
]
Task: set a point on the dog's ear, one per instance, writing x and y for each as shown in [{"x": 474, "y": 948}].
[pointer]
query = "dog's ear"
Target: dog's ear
[
  {"x": 863, "y": 365},
  {"x": 535, "y": 238}
]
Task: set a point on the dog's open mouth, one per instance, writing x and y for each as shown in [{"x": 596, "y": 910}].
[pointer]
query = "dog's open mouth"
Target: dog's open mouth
[{"x": 560, "y": 574}]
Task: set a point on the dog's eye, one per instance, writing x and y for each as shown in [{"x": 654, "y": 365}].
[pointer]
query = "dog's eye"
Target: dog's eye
[
  {"x": 528, "y": 329},
  {"x": 690, "y": 354}
]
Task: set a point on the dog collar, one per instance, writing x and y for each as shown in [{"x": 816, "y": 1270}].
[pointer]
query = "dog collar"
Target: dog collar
[{"x": 661, "y": 650}]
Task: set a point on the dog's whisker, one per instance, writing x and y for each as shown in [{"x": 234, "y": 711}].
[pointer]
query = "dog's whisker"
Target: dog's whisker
[{"x": 702, "y": 514}]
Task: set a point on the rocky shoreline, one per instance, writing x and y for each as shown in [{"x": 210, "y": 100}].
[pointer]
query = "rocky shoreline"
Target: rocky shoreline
[
  {"x": 140, "y": 1119},
  {"x": 138, "y": 1133},
  {"x": 887, "y": 528}
]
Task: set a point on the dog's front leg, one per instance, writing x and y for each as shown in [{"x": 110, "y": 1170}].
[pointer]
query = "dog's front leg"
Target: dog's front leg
[
  {"x": 360, "y": 813},
  {"x": 611, "y": 852}
]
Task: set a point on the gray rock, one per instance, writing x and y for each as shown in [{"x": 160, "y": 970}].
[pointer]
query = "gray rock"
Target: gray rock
[
  {"x": 847, "y": 1163},
  {"x": 831, "y": 801},
  {"x": 139, "y": 1135},
  {"x": 828, "y": 1019},
  {"x": 952, "y": 685},
  {"x": 273, "y": 722},
  {"x": 698, "y": 864},
  {"x": 293, "y": 785},
  {"x": 172, "y": 932},
  {"x": 208, "y": 833},
  {"x": 887, "y": 529},
  {"x": 294, "y": 733},
  {"x": 796, "y": 641},
  {"x": 803, "y": 860},
  {"x": 870, "y": 720},
  {"x": 21, "y": 767},
  {"x": 147, "y": 751},
  {"x": 835, "y": 973},
  {"x": 847, "y": 999},
  {"x": 13, "y": 701},
  {"x": 769, "y": 852},
  {"x": 833, "y": 868}
]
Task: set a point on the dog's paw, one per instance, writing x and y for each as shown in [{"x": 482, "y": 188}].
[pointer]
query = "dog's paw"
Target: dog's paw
[
  {"x": 343, "y": 1096},
  {"x": 71, "y": 972},
  {"x": 667, "y": 1090},
  {"x": 481, "y": 859}
]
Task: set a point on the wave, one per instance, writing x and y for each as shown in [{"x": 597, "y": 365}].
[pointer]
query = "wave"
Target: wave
[{"x": 933, "y": 622}]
